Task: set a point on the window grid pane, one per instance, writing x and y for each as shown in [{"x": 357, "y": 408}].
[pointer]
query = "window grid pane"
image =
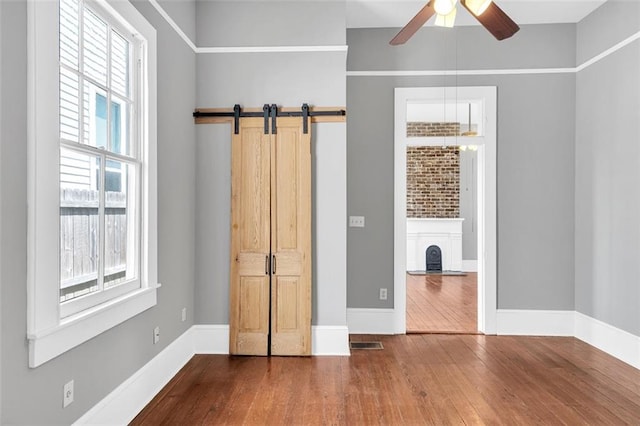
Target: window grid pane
[
  {"x": 118, "y": 217},
  {"x": 79, "y": 224},
  {"x": 95, "y": 47},
  {"x": 94, "y": 116},
  {"x": 120, "y": 53},
  {"x": 69, "y": 33},
  {"x": 120, "y": 126},
  {"x": 69, "y": 110}
]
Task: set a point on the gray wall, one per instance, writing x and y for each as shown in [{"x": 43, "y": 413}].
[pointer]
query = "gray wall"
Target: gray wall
[
  {"x": 605, "y": 27},
  {"x": 535, "y": 155},
  {"x": 607, "y": 244},
  {"x": 183, "y": 13},
  {"x": 287, "y": 79},
  {"x": 224, "y": 23},
  {"x": 433, "y": 48},
  {"x": 34, "y": 396}
]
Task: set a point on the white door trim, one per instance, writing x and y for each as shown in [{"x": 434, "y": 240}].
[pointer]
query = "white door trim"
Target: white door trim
[{"x": 487, "y": 199}]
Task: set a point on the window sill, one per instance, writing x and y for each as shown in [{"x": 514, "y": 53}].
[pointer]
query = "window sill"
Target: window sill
[{"x": 77, "y": 329}]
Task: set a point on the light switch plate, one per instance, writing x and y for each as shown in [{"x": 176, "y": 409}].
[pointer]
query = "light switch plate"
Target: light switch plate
[{"x": 356, "y": 221}]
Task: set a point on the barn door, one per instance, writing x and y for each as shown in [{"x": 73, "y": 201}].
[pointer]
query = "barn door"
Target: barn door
[
  {"x": 250, "y": 239},
  {"x": 270, "y": 292},
  {"x": 291, "y": 239}
]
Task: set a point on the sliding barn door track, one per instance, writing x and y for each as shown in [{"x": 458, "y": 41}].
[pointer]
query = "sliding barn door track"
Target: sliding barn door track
[{"x": 270, "y": 112}]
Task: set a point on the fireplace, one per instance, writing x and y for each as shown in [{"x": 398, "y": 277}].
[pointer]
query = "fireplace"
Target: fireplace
[
  {"x": 433, "y": 259},
  {"x": 444, "y": 233}
]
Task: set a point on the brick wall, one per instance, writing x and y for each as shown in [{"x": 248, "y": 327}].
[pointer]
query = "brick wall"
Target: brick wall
[
  {"x": 416, "y": 129},
  {"x": 433, "y": 174},
  {"x": 433, "y": 182}
]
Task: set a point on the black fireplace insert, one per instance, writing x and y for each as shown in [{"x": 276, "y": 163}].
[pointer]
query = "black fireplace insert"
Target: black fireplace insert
[{"x": 433, "y": 259}]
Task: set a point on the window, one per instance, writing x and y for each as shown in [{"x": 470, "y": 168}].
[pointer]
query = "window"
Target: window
[
  {"x": 92, "y": 212},
  {"x": 99, "y": 162},
  {"x": 446, "y": 118}
]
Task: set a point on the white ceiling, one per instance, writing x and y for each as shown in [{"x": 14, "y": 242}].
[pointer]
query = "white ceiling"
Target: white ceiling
[{"x": 396, "y": 13}]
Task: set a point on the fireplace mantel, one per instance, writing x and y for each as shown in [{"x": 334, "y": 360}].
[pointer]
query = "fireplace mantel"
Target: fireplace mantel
[{"x": 445, "y": 233}]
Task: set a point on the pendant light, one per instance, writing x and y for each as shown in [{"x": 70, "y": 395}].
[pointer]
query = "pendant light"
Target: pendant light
[{"x": 470, "y": 132}]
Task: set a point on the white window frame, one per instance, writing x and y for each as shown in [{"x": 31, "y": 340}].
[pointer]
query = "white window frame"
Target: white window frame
[{"x": 48, "y": 334}]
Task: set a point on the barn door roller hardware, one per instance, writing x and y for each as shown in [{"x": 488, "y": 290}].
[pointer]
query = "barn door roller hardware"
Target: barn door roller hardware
[{"x": 269, "y": 112}]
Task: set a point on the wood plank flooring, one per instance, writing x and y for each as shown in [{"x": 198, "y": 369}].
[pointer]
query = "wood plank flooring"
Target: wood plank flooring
[
  {"x": 442, "y": 303},
  {"x": 415, "y": 380}
]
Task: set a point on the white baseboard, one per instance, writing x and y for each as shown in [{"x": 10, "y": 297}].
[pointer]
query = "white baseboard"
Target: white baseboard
[
  {"x": 128, "y": 399},
  {"x": 330, "y": 340},
  {"x": 370, "y": 321},
  {"x": 211, "y": 339},
  {"x": 469, "y": 265},
  {"x": 614, "y": 341},
  {"x": 326, "y": 339},
  {"x": 520, "y": 322}
]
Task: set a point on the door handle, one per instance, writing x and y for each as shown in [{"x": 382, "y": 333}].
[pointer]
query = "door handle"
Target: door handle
[
  {"x": 266, "y": 265},
  {"x": 273, "y": 265}
]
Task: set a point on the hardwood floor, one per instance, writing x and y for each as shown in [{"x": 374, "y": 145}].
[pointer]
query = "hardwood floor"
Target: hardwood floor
[
  {"x": 442, "y": 303},
  {"x": 415, "y": 379}
]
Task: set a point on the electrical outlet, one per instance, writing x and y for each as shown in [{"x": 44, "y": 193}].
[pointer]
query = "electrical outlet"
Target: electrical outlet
[
  {"x": 383, "y": 294},
  {"x": 67, "y": 394},
  {"x": 156, "y": 335},
  {"x": 184, "y": 314},
  {"x": 356, "y": 221}
]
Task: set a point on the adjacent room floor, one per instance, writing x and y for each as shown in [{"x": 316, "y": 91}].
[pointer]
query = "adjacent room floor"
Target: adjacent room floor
[
  {"x": 442, "y": 303},
  {"x": 415, "y": 379}
]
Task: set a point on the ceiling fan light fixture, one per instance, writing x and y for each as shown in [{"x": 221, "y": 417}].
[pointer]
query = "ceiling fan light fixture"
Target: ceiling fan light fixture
[
  {"x": 488, "y": 13},
  {"x": 477, "y": 7},
  {"x": 444, "y": 7},
  {"x": 447, "y": 20}
]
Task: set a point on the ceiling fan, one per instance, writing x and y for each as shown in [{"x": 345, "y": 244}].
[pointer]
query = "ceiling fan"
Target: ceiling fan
[{"x": 486, "y": 12}]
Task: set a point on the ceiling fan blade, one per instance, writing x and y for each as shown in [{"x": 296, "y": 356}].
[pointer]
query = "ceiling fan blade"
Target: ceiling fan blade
[
  {"x": 496, "y": 21},
  {"x": 414, "y": 24}
]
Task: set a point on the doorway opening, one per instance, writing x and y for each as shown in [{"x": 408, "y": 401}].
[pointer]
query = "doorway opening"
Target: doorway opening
[
  {"x": 441, "y": 128},
  {"x": 441, "y": 216}
]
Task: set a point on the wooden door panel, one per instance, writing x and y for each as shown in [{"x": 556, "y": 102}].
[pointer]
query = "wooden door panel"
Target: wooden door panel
[
  {"x": 291, "y": 239},
  {"x": 287, "y": 263},
  {"x": 251, "y": 289},
  {"x": 254, "y": 190},
  {"x": 286, "y": 335},
  {"x": 286, "y": 192},
  {"x": 253, "y": 264},
  {"x": 250, "y": 240},
  {"x": 286, "y": 301}
]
